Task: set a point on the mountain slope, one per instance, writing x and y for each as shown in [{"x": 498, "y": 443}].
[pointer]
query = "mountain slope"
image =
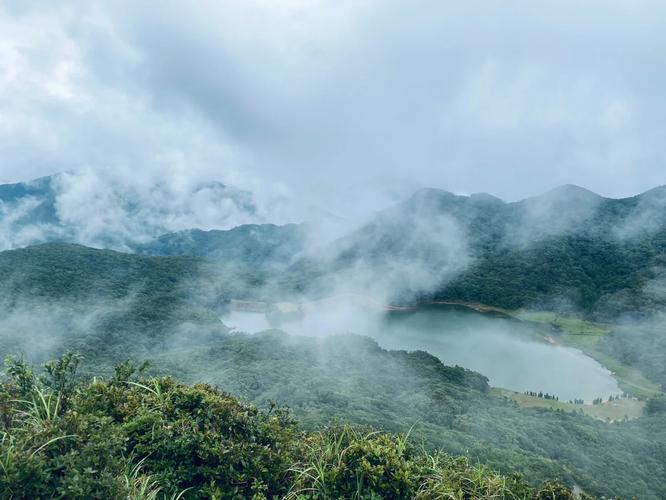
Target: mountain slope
[
  {"x": 40, "y": 190},
  {"x": 567, "y": 248},
  {"x": 249, "y": 244}
]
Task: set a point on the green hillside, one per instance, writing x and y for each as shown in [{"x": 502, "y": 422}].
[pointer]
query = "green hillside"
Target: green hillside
[{"x": 568, "y": 249}]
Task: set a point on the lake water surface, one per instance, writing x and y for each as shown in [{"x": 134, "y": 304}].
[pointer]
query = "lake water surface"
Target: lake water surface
[{"x": 510, "y": 353}]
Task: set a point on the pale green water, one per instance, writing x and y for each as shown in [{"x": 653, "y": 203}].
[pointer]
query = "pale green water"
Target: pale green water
[{"x": 512, "y": 355}]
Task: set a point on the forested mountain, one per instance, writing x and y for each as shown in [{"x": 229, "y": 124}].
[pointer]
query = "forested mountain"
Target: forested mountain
[
  {"x": 41, "y": 192},
  {"x": 250, "y": 244},
  {"x": 568, "y": 248}
]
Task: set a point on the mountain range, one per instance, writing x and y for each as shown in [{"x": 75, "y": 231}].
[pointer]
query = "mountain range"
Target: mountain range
[
  {"x": 568, "y": 248},
  {"x": 60, "y": 207}
]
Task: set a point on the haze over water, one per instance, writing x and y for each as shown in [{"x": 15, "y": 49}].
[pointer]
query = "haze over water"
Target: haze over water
[{"x": 509, "y": 353}]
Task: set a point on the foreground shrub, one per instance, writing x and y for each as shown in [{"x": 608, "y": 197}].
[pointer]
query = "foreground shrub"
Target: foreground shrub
[
  {"x": 343, "y": 462},
  {"x": 143, "y": 438}
]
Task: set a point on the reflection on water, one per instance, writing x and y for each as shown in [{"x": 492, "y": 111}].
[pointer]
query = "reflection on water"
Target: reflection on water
[{"x": 508, "y": 352}]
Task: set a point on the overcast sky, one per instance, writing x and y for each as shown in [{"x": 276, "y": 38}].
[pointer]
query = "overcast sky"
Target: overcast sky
[{"x": 343, "y": 104}]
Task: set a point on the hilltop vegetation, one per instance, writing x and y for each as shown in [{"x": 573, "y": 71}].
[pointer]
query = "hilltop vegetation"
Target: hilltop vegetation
[
  {"x": 131, "y": 437},
  {"x": 641, "y": 346},
  {"x": 249, "y": 244}
]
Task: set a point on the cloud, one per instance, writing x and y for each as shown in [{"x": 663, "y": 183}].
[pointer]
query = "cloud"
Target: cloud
[
  {"x": 342, "y": 105},
  {"x": 134, "y": 213},
  {"x": 15, "y": 233}
]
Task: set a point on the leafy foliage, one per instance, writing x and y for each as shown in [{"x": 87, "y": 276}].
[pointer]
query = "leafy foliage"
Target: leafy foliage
[{"x": 149, "y": 438}]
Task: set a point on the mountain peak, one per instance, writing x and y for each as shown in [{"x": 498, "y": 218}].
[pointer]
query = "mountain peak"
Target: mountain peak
[
  {"x": 657, "y": 192},
  {"x": 571, "y": 191},
  {"x": 485, "y": 198},
  {"x": 433, "y": 193}
]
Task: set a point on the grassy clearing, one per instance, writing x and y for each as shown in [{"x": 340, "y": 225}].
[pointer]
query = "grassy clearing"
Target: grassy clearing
[
  {"x": 629, "y": 379},
  {"x": 628, "y": 408}
]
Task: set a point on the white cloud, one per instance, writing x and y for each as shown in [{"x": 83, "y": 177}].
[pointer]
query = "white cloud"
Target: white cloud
[{"x": 343, "y": 105}]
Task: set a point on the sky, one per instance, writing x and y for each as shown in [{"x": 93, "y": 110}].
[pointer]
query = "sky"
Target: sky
[{"x": 336, "y": 105}]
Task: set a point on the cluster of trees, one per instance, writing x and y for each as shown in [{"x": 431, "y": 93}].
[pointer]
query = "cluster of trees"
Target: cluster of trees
[
  {"x": 542, "y": 395},
  {"x": 611, "y": 398},
  {"x": 575, "y": 401},
  {"x": 149, "y": 438},
  {"x": 598, "y": 401},
  {"x": 598, "y": 277}
]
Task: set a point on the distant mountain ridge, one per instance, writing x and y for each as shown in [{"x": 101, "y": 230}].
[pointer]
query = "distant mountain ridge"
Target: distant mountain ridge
[
  {"x": 102, "y": 212},
  {"x": 248, "y": 243},
  {"x": 41, "y": 189},
  {"x": 568, "y": 247}
]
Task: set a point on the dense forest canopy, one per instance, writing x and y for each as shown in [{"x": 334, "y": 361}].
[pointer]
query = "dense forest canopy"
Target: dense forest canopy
[{"x": 568, "y": 248}]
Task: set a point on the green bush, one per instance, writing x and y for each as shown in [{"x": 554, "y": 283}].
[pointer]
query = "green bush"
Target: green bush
[{"x": 156, "y": 438}]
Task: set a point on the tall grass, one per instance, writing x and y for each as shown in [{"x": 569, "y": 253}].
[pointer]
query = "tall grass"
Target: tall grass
[{"x": 343, "y": 462}]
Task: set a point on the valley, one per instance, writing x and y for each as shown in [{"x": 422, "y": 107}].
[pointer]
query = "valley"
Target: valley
[{"x": 367, "y": 330}]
